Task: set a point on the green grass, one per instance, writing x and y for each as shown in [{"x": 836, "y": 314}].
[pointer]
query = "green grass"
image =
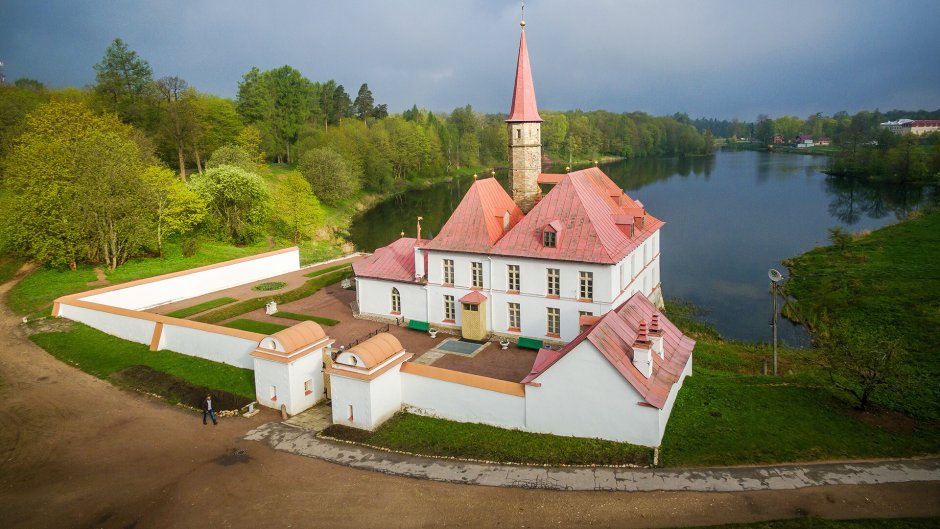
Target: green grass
[
  {"x": 307, "y": 289},
  {"x": 101, "y": 355},
  {"x": 261, "y": 327},
  {"x": 305, "y": 317},
  {"x": 322, "y": 271},
  {"x": 8, "y": 267},
  {"x": 438, "y": 437},
  {"x": 35, "y": 292},
  {"x": 201, "y": 307},
  {"x": 889, "y": 280},
  {"x": 818, "y": 523},
  {"x": 269, "y": 286}
]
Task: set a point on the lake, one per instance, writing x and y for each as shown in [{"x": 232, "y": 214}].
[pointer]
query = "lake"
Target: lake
[{"x": 729, "y": 218}]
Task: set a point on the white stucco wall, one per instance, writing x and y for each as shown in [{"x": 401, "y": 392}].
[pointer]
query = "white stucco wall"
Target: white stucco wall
[
  {"x": 671, "y": 400},
  {"x": 346, "y": 392},
  {"x": 385, "y": 396},
  {"x": 289, "y": 380},
  {"x": 184, "y": 286},
  {"x": 218, "y": 347},
  {"x": 375, "y": 297},
  {"x": 126, "y": 327},
  {"x": 448, "y": 400},
  {"x": 583, "y": 395}
]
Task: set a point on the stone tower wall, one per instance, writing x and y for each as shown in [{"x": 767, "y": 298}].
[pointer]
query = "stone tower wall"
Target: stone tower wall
[{"x": 525, "y": 163}]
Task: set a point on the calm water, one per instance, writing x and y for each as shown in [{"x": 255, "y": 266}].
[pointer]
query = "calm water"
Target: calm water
[{"x": 728, "y": 220}]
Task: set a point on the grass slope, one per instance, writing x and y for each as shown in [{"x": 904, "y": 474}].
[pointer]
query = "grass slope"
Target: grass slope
[
  {"x": 890, "y": 280},
  {"x": 261, "y": 327},
  {"x": 438, "y": 437},
  {"x": 305, "y": 317},
  {"x": 102, "y": 355},
  {"x": 201, "y": 307}
]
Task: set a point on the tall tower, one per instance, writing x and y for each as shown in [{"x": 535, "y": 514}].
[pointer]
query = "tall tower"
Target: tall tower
[{"x": 525, "y": 135}]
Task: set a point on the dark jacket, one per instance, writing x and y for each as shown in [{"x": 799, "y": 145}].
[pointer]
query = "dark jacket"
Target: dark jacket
[{"x": 205, "y": 405}]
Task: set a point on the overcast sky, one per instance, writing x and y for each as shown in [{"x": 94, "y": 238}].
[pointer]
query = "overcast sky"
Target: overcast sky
[{"x": 720, "y": 59}]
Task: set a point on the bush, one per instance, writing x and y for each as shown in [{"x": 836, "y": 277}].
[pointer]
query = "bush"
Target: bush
[
  {"x": 238, "y": 201},
  {"x": 269, "y": 286},
  {"x": 332, "y": 177}
]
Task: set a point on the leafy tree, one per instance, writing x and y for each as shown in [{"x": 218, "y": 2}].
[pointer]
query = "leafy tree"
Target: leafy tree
[
  {"x": 124, "y": 82},
  {"x": 216, "y": 124},
  {"x": 24, "y": 83},
  {"x": 861, "y": 361},
  {"x": 40, "y": 186},
  {"x": 380, "y": 111},
  {"x": 297, "y": 206},
  {"x": 232, "y": 155},
  {"x": 15, "y": 104},
  {"x": 765, "y": 129},
  {"x": 177, "y": 116},
  {"x": 279, "y": 102},
  {"x": 364, "y": 103},
  {"x": 331, "y": 177},
  {"x": 250, "y": 139},
  {"x": 238, "y": 201},
  {"x": 172, "y": 206}
]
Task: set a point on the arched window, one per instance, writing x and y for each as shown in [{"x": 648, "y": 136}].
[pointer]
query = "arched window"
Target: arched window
[{"x": 396, "y": 301}]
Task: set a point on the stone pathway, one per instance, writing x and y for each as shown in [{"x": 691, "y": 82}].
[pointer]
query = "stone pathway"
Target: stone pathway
[{"x": 725, "y": 479}]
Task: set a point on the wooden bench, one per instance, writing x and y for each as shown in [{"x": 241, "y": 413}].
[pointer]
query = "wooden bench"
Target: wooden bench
[
  {"x": 422, "y": 326},
  {"x": 529, "y": 343}
]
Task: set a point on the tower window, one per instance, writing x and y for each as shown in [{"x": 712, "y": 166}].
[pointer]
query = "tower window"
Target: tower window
[{"x": 518, "y": 134}]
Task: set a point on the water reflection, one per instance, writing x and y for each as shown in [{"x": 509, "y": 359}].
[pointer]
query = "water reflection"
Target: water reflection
[{"x": 728, "y": 219}]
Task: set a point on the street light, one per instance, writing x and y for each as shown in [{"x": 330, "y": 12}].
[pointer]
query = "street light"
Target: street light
[{"x": 775, "y": 279}]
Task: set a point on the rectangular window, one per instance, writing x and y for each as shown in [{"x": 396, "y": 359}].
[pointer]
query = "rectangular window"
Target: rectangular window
[
  {"x": 476, "y": 275},
  {"x": 308, "y": 386},
  {"x": 449, "y": 313},
  {"x": 585, "y": 313},
  {"x": 548, "y": 239},
  {"x": 514, "y": 316},
  {"x": 448, "y": 271},
  {"x": 554, "y": 281},
  {"x": 513, "y": 273},
  {"x": 471, "y": 307},
  {"x": 554, "y": 321},
  {"x": 587, "y": 285}
]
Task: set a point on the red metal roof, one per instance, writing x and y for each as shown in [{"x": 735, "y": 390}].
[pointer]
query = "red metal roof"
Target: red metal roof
[
  {"x": 614, "y": 335},
  {"x": 477, "y": 223},
  {"x": 395, "y": 262},
  {"x": 588, "y": 205},
  {"x": 523, "y": 107},
  {"x": 550, "y": 178},
  {"x": 474, "y": 297}
]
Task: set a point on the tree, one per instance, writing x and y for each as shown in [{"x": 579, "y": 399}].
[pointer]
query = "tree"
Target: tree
[
  {"x": 364, "y": 103},
  {"x": 177, "y": 116},
  {"x": 380, "y": 111},
  {"x": 250, "y": 139},
  {"x": 232, "y": 155},
  {"x": 860, "y": 361},
  {"x": 216, "y": 124},
  {"x": 279, "y": 102},
  {"x": 172, "y": 206},
  {"x": 765, "y": 129},
  {"x": 331, "y": 177},
  {"x": 40, "y": 185},
  {"x": 341, "y": 105},
  {"x": 124, "y": 82},
  {"x": 297, "y": 206},
  {"x": 238, "y": 201}
]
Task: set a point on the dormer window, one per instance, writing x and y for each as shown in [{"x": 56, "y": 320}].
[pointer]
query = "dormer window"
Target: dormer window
[{"x": 549, "y": 239}]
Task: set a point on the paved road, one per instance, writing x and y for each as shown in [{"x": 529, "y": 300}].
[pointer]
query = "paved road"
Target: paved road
[{"x": 303, "y": 442}]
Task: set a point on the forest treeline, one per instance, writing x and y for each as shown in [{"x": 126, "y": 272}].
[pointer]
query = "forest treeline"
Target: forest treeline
[{"x": 107, "y": 172}]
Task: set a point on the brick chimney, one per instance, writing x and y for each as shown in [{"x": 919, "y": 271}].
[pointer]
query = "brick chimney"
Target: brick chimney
[
  {"x": 642, "y": 348},
  {"x": 656, "y": 336}
]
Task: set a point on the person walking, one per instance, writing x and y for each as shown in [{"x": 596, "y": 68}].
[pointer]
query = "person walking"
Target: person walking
[{"x": 207, "y": 410}]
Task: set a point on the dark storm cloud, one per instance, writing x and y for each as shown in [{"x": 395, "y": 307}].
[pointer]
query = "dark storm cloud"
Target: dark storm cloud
[{"x": 726, "y": 59}]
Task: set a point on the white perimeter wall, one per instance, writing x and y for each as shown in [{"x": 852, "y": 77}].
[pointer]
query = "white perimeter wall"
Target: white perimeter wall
[
  {"x": 126, "y": 327},
  {"x": 448, "y": 400},
  {"x": 185, "y": 286},
  {"x": 218, "y": 347},
  {"x": 583, "y": 395},
  {"x": 375, "y": 297}
]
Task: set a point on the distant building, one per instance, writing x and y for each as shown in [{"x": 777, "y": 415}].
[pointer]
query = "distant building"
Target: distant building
[
  {"x": 804, "y": 141},
  {"x": 823, "y": 142},
  {"x": 912, "y": 126},
  {"x": 779, "y": 139}
]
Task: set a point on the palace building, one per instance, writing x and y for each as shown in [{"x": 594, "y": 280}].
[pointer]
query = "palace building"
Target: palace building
[{"x": 520, "y": 264}]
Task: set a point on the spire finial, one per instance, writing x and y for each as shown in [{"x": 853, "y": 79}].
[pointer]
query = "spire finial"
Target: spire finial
[{"x": 522, "y": 20}]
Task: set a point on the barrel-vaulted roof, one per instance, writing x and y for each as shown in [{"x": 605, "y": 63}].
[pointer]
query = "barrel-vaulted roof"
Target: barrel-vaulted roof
[
  {"x": 377, "y": 349},
  {"x": 298, "y": 336}
]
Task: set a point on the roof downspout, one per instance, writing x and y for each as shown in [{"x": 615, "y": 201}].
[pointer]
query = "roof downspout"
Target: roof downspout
[{"x": 489, "y": 315}]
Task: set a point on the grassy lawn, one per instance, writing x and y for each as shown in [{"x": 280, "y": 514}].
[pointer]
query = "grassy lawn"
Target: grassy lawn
[
  {"x": 201, "y": 307},
  {"x": 438, "y": 437},
  {"x": 261, "y": 327},
  {"x": 102, "y": 355},
  {"x": 8, "y": 267},
  {"x": 305, "y": 317},
  {"x": 818, "y": 523},
  {"x": 309, "y": 288},
  {"x": 326, "y": 270},
  {"x": 35, "y": 292},
  {"x": 890, "y": 280}
]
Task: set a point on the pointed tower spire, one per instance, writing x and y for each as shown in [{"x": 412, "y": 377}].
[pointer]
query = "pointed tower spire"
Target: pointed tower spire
[{"x": 525, "y": 135}]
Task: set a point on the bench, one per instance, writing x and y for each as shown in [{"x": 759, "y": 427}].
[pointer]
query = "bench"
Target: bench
[
  {"x": 418, "y": 325},
  {"x": 529, "y": 343}
]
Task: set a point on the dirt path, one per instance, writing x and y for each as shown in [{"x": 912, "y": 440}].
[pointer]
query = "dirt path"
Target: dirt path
[{"x": 78, "y": 452}]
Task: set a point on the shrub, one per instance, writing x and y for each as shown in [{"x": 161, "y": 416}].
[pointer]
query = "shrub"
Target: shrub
[{"x": 269, "y": 286}]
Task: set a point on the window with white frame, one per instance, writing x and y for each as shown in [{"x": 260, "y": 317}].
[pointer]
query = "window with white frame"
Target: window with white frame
[
  {"x": 514, "y": 316},
  {"x": 586, "y": 290},
  {"x": 448, "y": 278},
  {"x": 554, "y": 321},
  {"x": 449, "y": 312},
  {"x": 476, "y": 275},
  {"x": 512, "y": 271},
  {"x": 396, "y": 301},
  {"x": 553, "y": 281}
]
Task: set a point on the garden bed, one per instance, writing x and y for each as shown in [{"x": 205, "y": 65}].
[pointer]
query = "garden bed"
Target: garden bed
[{"x": 176, "y": 390}]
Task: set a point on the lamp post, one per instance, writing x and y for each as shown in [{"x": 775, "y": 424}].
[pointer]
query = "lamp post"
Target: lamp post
[{"x": 775, "y": 279}]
